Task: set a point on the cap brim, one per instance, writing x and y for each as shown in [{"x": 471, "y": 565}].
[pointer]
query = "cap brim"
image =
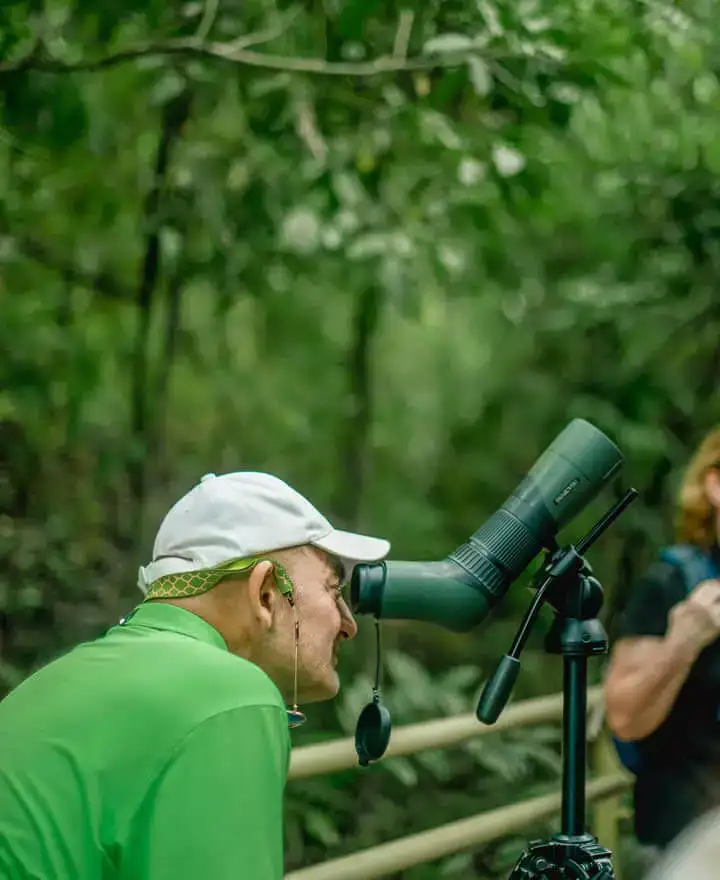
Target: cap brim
[{"x": 352, "y": 547}]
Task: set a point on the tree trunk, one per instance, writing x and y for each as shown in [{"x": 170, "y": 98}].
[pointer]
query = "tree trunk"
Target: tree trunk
[
  {"x": 354, "y": 448},
  {"x": 173, "y": 324},
  {"x": 175, "y": 114}
]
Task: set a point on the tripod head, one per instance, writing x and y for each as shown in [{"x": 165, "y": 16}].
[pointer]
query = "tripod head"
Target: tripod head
[{"x": 562, "y": 567}]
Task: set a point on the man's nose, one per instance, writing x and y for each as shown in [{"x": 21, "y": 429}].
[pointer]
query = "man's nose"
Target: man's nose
[{"x": 348, "y": 626}]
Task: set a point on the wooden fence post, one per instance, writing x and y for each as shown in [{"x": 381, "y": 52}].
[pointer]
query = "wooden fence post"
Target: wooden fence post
[{"x": 609, "y": 811}]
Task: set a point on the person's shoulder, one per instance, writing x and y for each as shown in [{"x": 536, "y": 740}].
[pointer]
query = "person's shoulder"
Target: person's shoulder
[
  {"x": 662, "y": 571},
  {"x": 645, "y": 607},
  {"x": 190, "y": 686},
  {"x": 218, "y": 697},
  {"x": 203, "y": 671},
  {"x": 661, "y": 583},
  {"x": 175, "y": 678},
  {"x": 677, "y": 569},
  {"x": 237, "y": 674}
]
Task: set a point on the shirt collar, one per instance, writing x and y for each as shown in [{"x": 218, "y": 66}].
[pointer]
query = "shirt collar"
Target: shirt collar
[{"x": 171, "y": 618}]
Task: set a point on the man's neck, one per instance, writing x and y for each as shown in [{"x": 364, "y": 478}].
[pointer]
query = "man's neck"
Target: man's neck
[{"x": 238, "y": 640}]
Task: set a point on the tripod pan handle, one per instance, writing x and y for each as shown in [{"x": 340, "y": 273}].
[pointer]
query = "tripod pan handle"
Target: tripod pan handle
[{"x": 497, "y": 690}]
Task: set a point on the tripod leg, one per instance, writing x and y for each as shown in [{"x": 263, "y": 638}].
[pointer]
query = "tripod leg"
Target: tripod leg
[{"x": 574, "y": 745}]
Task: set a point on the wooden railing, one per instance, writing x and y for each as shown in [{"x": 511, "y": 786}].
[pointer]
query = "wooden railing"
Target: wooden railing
[{"x": 607, "y": 782}]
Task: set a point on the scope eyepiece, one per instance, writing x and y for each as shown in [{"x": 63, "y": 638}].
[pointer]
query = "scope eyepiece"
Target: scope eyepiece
[{"x": 366, "y": 588}]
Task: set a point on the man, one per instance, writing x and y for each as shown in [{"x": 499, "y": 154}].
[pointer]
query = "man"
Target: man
[
  {"x": 663, "y": 682},
  {"x": 161, "y": 749}
]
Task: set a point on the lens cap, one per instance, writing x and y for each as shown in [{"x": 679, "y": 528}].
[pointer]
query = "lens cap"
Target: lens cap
[{"x": 372, "y": 733}]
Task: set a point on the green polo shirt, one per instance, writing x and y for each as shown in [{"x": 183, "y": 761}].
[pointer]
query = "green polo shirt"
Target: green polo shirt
[{"x": 147, "y": 754}]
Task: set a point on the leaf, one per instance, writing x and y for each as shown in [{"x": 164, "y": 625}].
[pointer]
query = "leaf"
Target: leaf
[
  {"x": 444, "y": 44},
  {"x": 507, "y": 160},
  {"x": 353, "y": 698},
  {"x": 320, "y": 826},
  {"x": 460, "y": 863},
  {"x": 546, "y": 757},
  {"x": 437, "y": 128},
  {"x": 10, "y": 675},
  {"x": 408, "y": 675},
  {"x": 374, "y": 244},
  {"x": 167, "y": 87},
  {"x": 480, "y": 76},
  {"x": 348, "y": 189},
  {"x": 504, "y": 762},
  {"x": 462, "y": 678},
  {"x": 301, "y": 231},
  {"x": 437, "y": 762},
  {"x": 403, "y": 770}
]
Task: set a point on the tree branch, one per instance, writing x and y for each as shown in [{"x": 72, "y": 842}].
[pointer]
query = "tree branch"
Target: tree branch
[
  {"x": 209, "y": 15},
  {"x": 40, "y": 253},
  {"x": 402, "y": 34},
  {"x": 234, "y": 52},
  {"x": 268, "y": 34},
  {"x": 308, "y": 131}
]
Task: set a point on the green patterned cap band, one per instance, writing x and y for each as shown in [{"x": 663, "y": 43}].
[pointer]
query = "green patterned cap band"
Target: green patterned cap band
[{"x": 195, "y": 583}]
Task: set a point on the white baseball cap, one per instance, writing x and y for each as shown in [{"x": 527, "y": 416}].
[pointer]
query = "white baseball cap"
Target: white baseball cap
[{"x": 236, "y": 515}]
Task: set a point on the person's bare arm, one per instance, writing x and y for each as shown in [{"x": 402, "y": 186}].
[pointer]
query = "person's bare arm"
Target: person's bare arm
[
  {"x": 643, "y": 681},
  {"x": 646, "y": 673}
]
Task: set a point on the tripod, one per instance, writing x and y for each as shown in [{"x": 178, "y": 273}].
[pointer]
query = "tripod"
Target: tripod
[{"x": 566, "y": 583}]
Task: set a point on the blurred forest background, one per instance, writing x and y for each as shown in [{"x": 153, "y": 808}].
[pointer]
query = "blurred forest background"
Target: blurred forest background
[{"x": 385, "y": 251}]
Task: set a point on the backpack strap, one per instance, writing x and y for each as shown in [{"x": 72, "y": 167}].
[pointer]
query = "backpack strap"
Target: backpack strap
[{"x": 695, "y": 563}]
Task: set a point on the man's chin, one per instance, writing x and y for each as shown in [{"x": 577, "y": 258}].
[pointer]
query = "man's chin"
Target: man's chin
[{"x": 323, "y": 689}]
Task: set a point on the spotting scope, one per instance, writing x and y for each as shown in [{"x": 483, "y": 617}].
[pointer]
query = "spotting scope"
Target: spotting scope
[{"x": 460, "y": 591}]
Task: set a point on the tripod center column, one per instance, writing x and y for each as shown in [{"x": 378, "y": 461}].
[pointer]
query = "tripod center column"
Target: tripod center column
[{"x": 574, "y": 745}]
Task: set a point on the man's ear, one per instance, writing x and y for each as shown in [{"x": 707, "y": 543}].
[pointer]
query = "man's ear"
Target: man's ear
[
  {"x": 712, "y": 487},
  {"x": 263, "y": 593}
]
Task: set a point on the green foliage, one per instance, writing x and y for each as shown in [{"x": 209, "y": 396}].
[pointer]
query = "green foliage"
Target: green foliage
[{"x": 390, "y": 285}]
